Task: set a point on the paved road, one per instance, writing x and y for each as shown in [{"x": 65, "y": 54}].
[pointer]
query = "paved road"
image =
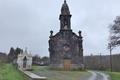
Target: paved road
[{"x": 95, "y": 75}]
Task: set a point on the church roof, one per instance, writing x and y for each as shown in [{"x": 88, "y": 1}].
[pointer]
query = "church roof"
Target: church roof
[{"x": 65, "y": 9}]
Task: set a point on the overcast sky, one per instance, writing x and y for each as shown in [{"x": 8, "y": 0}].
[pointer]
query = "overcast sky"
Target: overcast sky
[{"x": 26, "y": 23}]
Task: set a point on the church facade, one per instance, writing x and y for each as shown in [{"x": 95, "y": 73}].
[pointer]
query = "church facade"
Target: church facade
[{"x": 65, "y": 45}]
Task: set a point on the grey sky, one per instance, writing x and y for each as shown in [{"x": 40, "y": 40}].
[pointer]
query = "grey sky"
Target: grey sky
[{"x": 26, "y": 23}]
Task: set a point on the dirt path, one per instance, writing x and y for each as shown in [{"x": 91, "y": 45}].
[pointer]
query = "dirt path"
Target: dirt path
[{"x": 95, "y": 75}]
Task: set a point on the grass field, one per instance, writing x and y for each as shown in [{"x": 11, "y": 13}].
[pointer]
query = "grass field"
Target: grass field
[
  {"x": 59, "y": 75},
  {"x": 8, "y": 72},
  {"x": 114, "y": 75}
]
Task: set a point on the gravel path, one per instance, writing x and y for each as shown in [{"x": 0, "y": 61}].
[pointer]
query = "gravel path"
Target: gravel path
[{"x": 95, "y": 75}]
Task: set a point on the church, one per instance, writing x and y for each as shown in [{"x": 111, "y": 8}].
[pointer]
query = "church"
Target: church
[{"x": 65, "y": 47}]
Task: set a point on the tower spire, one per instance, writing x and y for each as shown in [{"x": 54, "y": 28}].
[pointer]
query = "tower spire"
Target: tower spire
[
  {"x": 65, "y": 8},
  {"x": 65, "y": 16},
  {"x": 64, "y": 1}
]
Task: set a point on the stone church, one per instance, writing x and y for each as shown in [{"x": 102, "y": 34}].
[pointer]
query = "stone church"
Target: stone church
[{"x": 65, "y": 47}]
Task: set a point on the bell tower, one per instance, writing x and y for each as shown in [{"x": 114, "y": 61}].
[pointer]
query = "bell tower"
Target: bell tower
[{"x": 65, "y": 17}]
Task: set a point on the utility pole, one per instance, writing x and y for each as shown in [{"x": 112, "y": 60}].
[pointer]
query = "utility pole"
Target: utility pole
[
  {"x": 100, "y": 64},
  {"x": 110, "y": 47}
]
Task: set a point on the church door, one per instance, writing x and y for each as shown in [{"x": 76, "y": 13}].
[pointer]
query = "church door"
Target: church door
[
  {"x": 24, "y": 62},
  {"x": 67, "y": 63}
]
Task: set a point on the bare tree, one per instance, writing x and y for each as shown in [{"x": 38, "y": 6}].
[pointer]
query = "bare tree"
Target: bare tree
[
  {"x": 110, "y": 47},
  {"x": 115, "y": 33},
  {"x": 114, "y": 38}
]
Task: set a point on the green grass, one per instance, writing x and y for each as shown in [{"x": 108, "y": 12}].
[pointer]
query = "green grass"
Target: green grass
[
  {"x": 59, "y": 75},
  {"x": 9, "y": 72},
  {"x": 114, "y": 75}
]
